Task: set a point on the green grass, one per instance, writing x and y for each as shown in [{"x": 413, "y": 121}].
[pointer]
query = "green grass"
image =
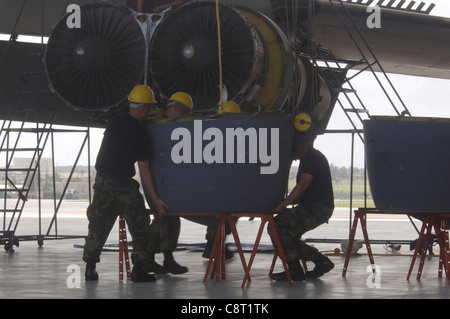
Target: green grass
[{"x": 341, "y": 190}]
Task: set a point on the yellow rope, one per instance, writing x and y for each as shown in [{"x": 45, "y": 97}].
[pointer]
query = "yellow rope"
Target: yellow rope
[{"x": 220, "y": 54}]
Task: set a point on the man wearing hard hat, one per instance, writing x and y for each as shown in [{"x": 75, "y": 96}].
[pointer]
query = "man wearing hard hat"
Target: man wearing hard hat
[
  {"x": 125, "y": 142},
  {"x": 313, "y": 204},
  {"x": 165, "y": 229},
  {"x": 180, "y": 104},
  {"x": 229, "y": 107}
]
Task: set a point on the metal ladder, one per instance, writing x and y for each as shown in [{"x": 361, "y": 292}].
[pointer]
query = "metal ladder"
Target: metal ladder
[
  {"x": 350, "y": 102},
  {"x": 27, "y": 130},
  {"x": 27, "y": 122},
  {"x": 368, "y": 62},
  {"x": 324, "y": 62}
]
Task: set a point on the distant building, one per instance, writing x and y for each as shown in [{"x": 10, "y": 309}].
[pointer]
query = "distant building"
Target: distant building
[{"x": 45, "y": 164}]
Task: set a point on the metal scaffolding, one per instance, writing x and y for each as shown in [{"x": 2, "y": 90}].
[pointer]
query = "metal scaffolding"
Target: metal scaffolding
[{"x": 29, "y": 130}]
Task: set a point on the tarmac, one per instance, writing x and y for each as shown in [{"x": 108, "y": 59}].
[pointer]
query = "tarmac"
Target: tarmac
[{"x": 55, "y": 269}]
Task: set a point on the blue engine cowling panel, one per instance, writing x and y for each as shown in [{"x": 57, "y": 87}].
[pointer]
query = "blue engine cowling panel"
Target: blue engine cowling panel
[
  {"x": 196, "y": 179},
  {"x": 408, "y": 163}
]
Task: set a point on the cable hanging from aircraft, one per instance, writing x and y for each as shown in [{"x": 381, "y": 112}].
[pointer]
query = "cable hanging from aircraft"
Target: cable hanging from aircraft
[{"x": 219, "y": 41}]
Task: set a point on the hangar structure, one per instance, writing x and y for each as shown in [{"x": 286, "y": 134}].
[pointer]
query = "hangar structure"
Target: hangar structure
[{"x": 320, "y": 46}]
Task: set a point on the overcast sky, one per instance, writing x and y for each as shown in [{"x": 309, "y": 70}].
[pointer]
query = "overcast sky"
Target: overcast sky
[{"x": 442, "y": 7}]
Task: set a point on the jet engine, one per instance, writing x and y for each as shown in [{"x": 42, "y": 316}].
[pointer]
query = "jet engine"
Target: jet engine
[
  {"x": 93, "y": 68},
  {"x": 256, "y": 64}
]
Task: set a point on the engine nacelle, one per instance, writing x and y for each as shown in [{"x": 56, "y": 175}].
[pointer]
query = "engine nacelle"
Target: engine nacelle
[
  {"x": 256, "y": 62},
  {"x": 93, "y": 68}
]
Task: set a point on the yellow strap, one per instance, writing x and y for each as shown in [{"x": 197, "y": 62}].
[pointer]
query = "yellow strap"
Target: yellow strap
[{"x": 220, "y": 53}]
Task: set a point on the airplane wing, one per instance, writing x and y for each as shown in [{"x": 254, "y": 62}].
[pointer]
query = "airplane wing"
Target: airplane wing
[{"x": 408, "y": 42}]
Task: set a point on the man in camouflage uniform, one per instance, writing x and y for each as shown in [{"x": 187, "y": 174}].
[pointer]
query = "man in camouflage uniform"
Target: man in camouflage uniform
[
  {"x": 125, "y": 142},
  {"x": 165, "y": 229},
  {"x": 314, "y": 196}
]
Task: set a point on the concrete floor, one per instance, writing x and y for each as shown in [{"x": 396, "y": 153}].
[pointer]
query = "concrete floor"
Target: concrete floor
[{"x": 55, "y": 270}]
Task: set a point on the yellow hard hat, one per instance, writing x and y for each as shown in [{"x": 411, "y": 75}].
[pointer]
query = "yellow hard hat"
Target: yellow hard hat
[
  {"x": 230, "y": 107},
  {"x": 182, "y": 97},
  {"x": 142, "y": 94},
  {"x": 302, "y": 122}
]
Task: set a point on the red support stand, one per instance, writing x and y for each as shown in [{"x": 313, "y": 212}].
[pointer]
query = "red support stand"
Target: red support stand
[
  {"x": 274, "y": 260},
  {"x": 425, "y": 231},
  {"x": 216, "y": 265},
  {"x": 267, "y": 218},
  {"x": 123, "y": 250},
  {"x": 436, "y": 221},
  {"x": 444, "y": 259},
  {"x": 217, "y": 258},
  {"x": 360, "y": 215}
]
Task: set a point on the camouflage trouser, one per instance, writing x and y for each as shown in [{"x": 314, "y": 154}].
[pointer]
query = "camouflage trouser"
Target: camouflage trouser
[
  {"x": 111, "y": 198},
  {"x": 165, "y": 231},
  {"x": 292, "y": 223},
  {"x": 211, "y": 231}
]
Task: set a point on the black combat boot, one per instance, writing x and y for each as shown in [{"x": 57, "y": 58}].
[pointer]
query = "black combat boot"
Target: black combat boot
[
  {"x": 295, "y": 270},
  {"x": 171, "y": 266},
  {"x": 91, "y": 274},
  {"x": 153, "y": 266},
  {"x": 208, "y": 249},
  {"x": 322, "y": 265},
  {"x": 138, "y": 274}
]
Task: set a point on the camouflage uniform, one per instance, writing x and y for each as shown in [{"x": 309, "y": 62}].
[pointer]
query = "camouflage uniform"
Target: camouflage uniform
[
  {"x": 111, "y": 198},
  {"x": 292, "y": 223},
  {"x": 165, "y": 231}
]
